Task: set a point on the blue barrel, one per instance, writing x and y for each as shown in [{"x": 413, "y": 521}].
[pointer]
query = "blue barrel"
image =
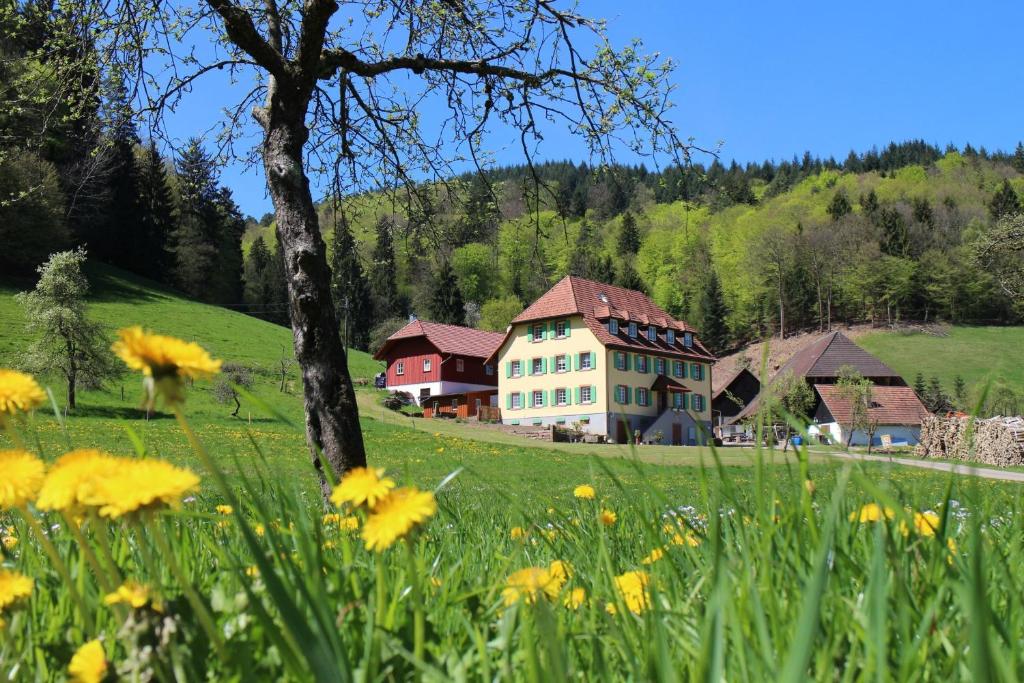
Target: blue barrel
[{"x": 797, "y": 440}]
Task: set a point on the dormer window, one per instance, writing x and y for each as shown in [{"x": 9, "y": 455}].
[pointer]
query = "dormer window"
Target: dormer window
[
  {"x": 652, "y": 333},
  {"x": 670, "y": 337},
  {"x": 687, "y": 339},
  {"x": 632, "y": 330},
  {"x": 602, "y": 297},
  {"x": 613, "y": 326}
]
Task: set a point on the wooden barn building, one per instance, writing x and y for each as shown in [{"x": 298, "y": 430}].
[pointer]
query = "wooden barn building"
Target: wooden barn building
[{"x": 442, "y": 364}]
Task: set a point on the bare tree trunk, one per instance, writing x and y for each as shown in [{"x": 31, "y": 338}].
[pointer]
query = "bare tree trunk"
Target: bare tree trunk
[
  {"x": 72, "y": 374},
  {"x": 782, "y": 311},
  {"x": 332, "y": 417}
]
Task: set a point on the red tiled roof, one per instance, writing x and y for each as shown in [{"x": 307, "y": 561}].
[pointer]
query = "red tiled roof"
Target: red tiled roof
[
  {"x": 454, "y": 339},
  {"x": 596, "y": 301},
  {"x": 889, "y": 405}
]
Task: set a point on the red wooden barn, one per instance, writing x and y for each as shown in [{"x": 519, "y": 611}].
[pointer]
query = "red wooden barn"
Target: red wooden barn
[{"x": 427, "y": 359}]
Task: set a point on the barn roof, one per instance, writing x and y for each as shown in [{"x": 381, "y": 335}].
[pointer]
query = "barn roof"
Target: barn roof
[
  {"x": 453, "y": 339},
  {"x": 825, "y": 356},
  {"x": 596, "y": 302},
  {"x": 722, "y": 381},
  {"x": 889, "y": 405}
]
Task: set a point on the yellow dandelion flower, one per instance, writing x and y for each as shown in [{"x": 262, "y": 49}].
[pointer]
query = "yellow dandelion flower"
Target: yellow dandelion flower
[
  {"x": 810, "y": 487},
  {"x": 441, "y": 449},
  {"x": 608, "y": 517},
  {"x": 396, "y": 516},
  {"x": 21, "y": 479},
  {"x": 689, "y": 539},
  {"x": 584, "y": 492},
  {"x": 517, "y": 533},
  {"x": 89, "y": 664},
  {"x": 259, "y": 529},
  {"x": 73, "y": 478},
  {"x": 610, "y": 608},
  {"x": 348, "y": 523},
  {"x": 252, "y": 571},
  {"x": 653, "y": 556},
  {"x": 575, "y": 599},
  {"x": 19, "y": 392},
  {"x": 632, "y": 587},
  {"x": 362, "y": 486},
  {"x": 225, "y": 510},
  {"x": 329, "y": 545},
  {"x": 133, "y": 594},
  {"x": 141, "y": 485},
  {"x": 165, "y": 361},
  {"x": 872, "y": 512},
  {"x": 435, "y": 582},
  {"x": 926, "y": 523},
  {"x": 528, "y": 584},
  {"x": 9, "y": 542},
  {"x": 331, "y": 518},
  {"x": 13, "y": 587},
  {"x": 560, "y": 571}
]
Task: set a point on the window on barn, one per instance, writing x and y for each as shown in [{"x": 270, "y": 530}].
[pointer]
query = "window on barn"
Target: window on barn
[
  {"x": 400, "y": 367},
  {"x": 488, "y": 369},
  {"x": 426, "y": 365},
  {"x": 460, "y": 365}
]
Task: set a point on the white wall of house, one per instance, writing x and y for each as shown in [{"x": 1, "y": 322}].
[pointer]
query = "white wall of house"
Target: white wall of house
[
  {"x": 899, "y": 434},
  {"x": 596, "y": 423},
  {"x": 440, "y": 388}
]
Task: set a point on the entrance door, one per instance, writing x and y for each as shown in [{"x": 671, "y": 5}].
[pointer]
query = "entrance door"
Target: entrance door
[
  {"x": 662, "y": 401},
  {"x": 620, "y": 432},
  {"x": 476, "y": 409},
  {"x": 677, "y": 435},
  {"x": 691, "y": 436}
]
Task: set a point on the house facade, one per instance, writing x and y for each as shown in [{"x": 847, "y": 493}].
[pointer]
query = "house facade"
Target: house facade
[
  {"x": 895, "y": 413},
  {"x": 608, "y": 360},
  {"x": 427, "y": 359}
]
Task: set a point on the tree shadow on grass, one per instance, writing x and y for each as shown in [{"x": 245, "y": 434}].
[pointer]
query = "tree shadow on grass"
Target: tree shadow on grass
[{"x": 119, "y": 413}]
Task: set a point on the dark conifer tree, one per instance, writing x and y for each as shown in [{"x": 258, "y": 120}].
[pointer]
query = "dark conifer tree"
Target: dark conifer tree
[
  {"x": 350, "y": 288},
  {"x": 117, "y": 242},
  {"x": 713, "y": 330},
  {"x": 840, "y": 205},
  {"x": 629, "y": 235},
  {"x": 156, "y": 220},
  {"x": 628, "y": 278},
  {"x": 919, "y": 386},
  {"x": 258, "y": 288},
  {"x": 446, "y": 305},
  {"x": 1005, "y": 202},
  {"x": 583, "y": 260},
  {"x": 895, "y": 240},
  {"x": 869, "y": 204},
  {"x": 383, "y": 273},
  {"x": 1018, "y": 158},
  {"x": 604, "y": 270}
]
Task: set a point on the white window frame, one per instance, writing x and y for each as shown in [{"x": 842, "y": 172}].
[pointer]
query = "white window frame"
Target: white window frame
[
  {"x": 646, "y": 368},
  {"x": 560, "y": 327},
  {"x": 585, "y": 397},
  {"x": 400, "y": 367},
  {"x": 561, "y": 363},
  {"x": 670, "y": 336},
  {"x": 585, "y": 363},
  {"x": 488, "y": 369},
  {"x": 660, "y": 363},
  {"x": 427, "y": 365},
  {"x": 618, "y": 355},
  {"x": 687, "y": 339},
  {"x": 632, "y": 330},
  {"x": 561, "y": 397},
  {"x": 536, "y": 398},
  {"x": 641, "y": 393},
  {"x": 517, "y": 401},
  {"x": 536, "y": 366},
  {"x": 455, "y": 404},
  {"x": 517, "y": 368},
  {"x": 613, "y": 326},
  {"x": 541, "y": 329},
  {"x": 620, "y": 394},
  {"x": 460, "y": 365}
]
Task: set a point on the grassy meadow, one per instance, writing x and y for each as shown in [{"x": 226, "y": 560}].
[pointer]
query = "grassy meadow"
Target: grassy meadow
[{"x": 686, "y": 563}]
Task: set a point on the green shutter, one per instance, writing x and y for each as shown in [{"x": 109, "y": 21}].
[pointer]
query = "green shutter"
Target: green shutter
[
  {"x": 576, "y": 395},
  {"x": 543, "y": 366},
  {"x": 508, "y": 401},
  {"x": 568, "y": 328},
  {"x": 593, "y": 360},
  {"x": 508, "y": 370},
  {"x": 627, "y": 361},
  {"x": 686, "y": 401},
  {"x": 554, "y": 363},
  {"x": 576, "y": 361},
  {"x": 543, "y": 399},
  {"x": 522, "y": 399},
  {"x": 593, "y": 394},
  {"x": 551, "y": 330},
  {"x": 629, "y": 395},
  {"x": 529, "y": 333},
  {"x": 683, "y": 368},
  {"x": 568, "y": 397},
  {"x": 554, "y": 397}
]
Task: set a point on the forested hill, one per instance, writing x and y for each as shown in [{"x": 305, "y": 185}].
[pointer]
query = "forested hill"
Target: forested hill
[{"x": 736, "y": 251}]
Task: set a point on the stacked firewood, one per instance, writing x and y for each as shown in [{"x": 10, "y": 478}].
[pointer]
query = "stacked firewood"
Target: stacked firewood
[{"x": 995, "y": 441}]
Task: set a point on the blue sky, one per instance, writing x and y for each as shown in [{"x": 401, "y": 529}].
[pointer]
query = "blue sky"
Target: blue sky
[{"x": 770, "y": 80}]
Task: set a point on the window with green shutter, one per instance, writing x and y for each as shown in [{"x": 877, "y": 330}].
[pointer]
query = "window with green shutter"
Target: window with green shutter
[
  {"x": 593, "y": 360},
  {"x": 629, "y": 395},
  {"x": 627, "y": 355},
  {"x": 576, "y": 395},
  {"x": 576, "y": 361},
  {"x": 508, "y": 401}
]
